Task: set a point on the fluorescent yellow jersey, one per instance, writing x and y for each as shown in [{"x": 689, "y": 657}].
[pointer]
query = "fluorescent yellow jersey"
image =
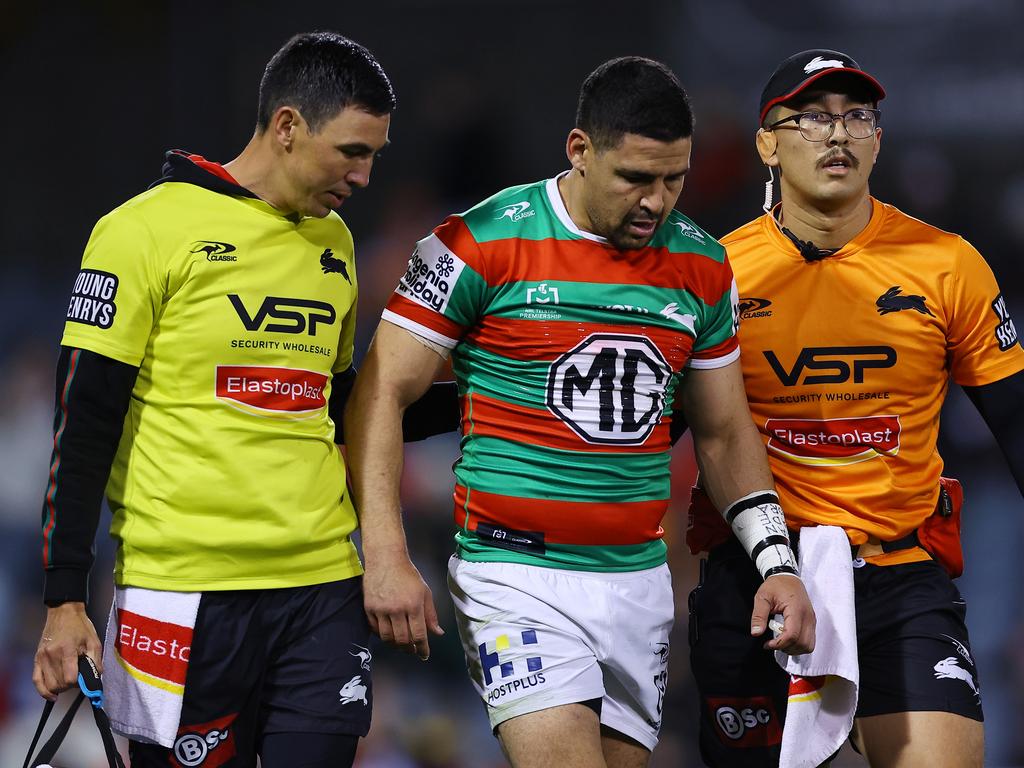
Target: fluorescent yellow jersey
[
  {"x": 227, "y": 475},
  {"x": 847, "y": 360}
]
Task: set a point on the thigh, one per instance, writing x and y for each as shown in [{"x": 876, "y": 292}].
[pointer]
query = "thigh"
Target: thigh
[
  {"x": 911, "y": 739},
  {"x": 523, "y": 653},
  {"x": 914, "y": 649},
  {"x": 742, "y": 690},
  {"x": 634, "y": 661},
  {"x": 218, "y": 725},
  {"x": 318, "y": 675},
  {"x": 565, "y": 735},
  {"x": 308, "y": 750},
  {"x": 620, "y": 751}
]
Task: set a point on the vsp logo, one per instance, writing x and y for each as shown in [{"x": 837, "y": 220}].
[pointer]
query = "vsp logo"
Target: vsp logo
[
  {"x": 542, "y": 294},
  {"x": 610, "y": 388},
  {"x": 841, "y": 362},
  {"x": 191, "y": 749},
  {"x": 299, "y": 314},
  {"x": 735, "y": 722},
  {"x": 516, "y": 211}
]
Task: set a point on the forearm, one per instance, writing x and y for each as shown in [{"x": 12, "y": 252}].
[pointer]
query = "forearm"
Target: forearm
[
  {"x": 999, "y": 403},
  {"x": 732, "y": 464}
]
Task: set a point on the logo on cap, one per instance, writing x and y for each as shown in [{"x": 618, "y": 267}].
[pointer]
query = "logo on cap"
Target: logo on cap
[{"x": 819, "y": 63}]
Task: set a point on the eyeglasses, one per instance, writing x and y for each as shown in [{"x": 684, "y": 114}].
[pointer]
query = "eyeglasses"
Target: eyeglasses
[{"x": 818, "y": 126}]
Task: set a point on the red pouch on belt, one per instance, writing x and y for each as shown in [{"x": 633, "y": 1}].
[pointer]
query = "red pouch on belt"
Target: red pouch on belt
[
  {"x": 940, "y": 533},
  {"x": 706, "y": 528}
]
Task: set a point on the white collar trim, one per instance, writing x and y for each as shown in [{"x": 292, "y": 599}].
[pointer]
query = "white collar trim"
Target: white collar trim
[{"x": 558, "y": 206}]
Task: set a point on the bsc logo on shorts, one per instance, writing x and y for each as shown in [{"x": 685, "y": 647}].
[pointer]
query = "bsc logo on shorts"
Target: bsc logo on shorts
[
  {"x": 746, "y": 722},
  {"x": 208, "y": 744}
]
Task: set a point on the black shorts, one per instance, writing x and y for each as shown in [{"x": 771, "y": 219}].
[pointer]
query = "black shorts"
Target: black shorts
[
  {"x": 912, "y": 643},
  {"x": 267, "y": 662}
]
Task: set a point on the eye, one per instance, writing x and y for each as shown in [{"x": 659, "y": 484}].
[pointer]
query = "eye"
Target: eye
[{"x": 818, "y": 118}]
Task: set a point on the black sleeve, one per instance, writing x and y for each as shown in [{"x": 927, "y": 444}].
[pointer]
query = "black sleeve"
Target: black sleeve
[
  {"x": 1001, "y": 404},
  {"x": 93, "y": 393},
  {"x": 433, "y": 414},
  {"x": 678, "y": 426}
]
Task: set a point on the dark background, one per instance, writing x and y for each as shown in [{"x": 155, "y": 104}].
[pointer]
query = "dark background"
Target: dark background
[{"x": 95, "y": 92}]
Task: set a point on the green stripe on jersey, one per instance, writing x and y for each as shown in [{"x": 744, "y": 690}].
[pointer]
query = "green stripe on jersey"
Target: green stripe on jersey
[
  {"x": 620, "y": 557},
  {"x": 503, "y": 378},
  {"x": 518, "y": 469}
]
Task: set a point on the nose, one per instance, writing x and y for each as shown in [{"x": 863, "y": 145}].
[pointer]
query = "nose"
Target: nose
[
  {"x": 839, "y": 134},
  {"x": 359, "y": 175},
  {"x": 653, "y": 200}
]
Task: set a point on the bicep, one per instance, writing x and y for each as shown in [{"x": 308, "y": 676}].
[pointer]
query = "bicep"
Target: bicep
[{"x": 399, "y": 364}]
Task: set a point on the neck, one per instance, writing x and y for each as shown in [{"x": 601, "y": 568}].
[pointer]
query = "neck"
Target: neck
[
  {"x": 828, "y": 228},
  {"x": 570, "y": 187},
  {"x": 258, "y": 170}
]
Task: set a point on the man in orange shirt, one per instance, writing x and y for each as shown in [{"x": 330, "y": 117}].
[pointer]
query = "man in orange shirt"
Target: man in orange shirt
[{"x": 854, "y": 317}]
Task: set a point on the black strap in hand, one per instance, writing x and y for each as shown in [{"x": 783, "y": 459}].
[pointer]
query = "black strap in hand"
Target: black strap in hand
[{"x": 89, "y": 687}]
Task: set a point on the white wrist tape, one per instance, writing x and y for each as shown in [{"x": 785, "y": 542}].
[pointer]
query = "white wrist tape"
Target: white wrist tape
[{"x": 759, "y": 524}]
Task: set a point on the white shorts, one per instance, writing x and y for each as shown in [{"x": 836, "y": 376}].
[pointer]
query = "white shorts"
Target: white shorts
[{"x": 537, "y": 638}]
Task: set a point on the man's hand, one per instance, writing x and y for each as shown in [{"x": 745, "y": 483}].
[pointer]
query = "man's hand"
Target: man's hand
[
  {"x": 785, "y": 594},
  {"x": 399, "y": 604},
  {"x": 67, "y": 634}
]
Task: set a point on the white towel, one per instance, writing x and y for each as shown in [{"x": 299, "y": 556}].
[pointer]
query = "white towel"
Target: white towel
[
  {"x": 145, "y": 658},
  {"x": 824, "y": 683}
]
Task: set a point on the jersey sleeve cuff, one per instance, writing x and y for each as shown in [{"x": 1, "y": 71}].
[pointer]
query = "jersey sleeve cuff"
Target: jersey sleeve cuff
[{"x": 66, "y": 585}]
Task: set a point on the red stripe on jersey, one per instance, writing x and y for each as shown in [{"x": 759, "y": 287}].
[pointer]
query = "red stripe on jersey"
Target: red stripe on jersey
[
  {"x": 541, "y": 340},
  {"x": 428, "y": 318},
  {"x": 564, "y": 522},
  {"x": 516, "y": 260},
  {"x": 508, "y": 421},
  {"x": 719, "y": 350}
]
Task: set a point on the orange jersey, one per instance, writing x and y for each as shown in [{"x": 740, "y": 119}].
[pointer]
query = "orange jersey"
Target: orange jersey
[{"x": 847, "y": 361}]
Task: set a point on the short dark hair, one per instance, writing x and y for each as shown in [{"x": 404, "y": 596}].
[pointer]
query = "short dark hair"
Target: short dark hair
[
  {"x": 321, "y": 73},
  {"x": 633, "y": 95}
]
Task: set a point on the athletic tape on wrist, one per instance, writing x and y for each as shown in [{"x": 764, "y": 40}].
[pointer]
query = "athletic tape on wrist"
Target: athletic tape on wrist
[{"x": 759, "y": 524}]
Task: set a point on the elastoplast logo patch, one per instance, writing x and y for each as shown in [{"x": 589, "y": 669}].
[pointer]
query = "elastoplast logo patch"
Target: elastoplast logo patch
[
  {"x": 834, "y": 441},
  {"x": 92, "y": 298},
  {"x": 156, "y": 649},
  {"x": 266, "y": 391}
]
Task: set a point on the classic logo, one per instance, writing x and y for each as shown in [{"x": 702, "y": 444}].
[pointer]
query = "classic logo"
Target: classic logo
[
  {"x": 819, "y": 442},
  {"x": 819, "y": 63},
  {"x": 214, "y": 250},
  {"x": 516, "y": 211},
  {"x": 267, "y": 391},
  {"x": 892, "y": 301},
  {"x": 750, "y": 308},
  {"x": 300, "y": 314},
  {"x": 746, "y": 722},
  {"x": 432, "y": 274},
  {"x": 689, "y": 230},
  {"x": 353, "y": 690},
  {"x": 364, "y": 656},
  {"x": 843, "y": 362},
  {"x": 209, "y": 744},
  {"x": 542, "y": 294},
  {"x": 490, "y": 659},
  {"x": 92, "y": 298},
  {"x": 1006, "y": 333},
  {"x": 157, "y": 649},
  {"x": 950, "y": 669},
  {"x": 332, "y": 265},
  {"x": 610, "y": 388},
  {"x": 960, "y": 648}
]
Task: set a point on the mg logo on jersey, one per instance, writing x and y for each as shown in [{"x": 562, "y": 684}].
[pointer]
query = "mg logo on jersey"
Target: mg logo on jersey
[
  {"x": 265, "y": 391},
  {"x": 610, "y": 389},
  {"x": 843, "y": 362},
  {"x": 820, "y": 442},
  {"x": 299, "y": 314},
  {"x": 516, "y": 211}
]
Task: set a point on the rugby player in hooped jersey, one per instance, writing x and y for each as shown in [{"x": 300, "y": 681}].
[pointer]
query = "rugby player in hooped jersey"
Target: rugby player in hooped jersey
[
  {"x": 570, "y": 308},
  {"x": 848, "y": 406},
  {"x": 203, "y": 370}
]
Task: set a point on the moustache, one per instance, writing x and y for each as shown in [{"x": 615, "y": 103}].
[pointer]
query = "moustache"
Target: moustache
[{"x": 839, "y": 152}]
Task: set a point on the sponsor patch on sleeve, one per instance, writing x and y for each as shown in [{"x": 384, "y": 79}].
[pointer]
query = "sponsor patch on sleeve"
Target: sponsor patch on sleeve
[
  {"x": 1006, "y": 333},
  {"x": 432, "y": 274},
  {"x": 92, "y": 298}
]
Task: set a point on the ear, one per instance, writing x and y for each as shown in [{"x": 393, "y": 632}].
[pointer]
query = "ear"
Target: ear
[
  {"x": 767, "y": 144},
  {"x": 284, "y": 125},
  {"x": 578, "y": 149},
  {"x": 878, "y": 145}
]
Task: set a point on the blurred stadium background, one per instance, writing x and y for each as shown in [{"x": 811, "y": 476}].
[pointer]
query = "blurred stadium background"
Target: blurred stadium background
[{"x": 97, "y": 91}]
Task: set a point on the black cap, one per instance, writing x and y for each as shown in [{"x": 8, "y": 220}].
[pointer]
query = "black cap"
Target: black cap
[{"x": 799, "y": 71}]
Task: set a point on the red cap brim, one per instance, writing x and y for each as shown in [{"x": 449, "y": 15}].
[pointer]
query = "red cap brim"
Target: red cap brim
[{"x": 817, "y": 76}]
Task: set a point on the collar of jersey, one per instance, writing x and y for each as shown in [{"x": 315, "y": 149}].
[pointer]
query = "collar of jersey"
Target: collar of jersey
[
  {"x": 558, "y": 206},
  {"x": 863, "y": 238}
]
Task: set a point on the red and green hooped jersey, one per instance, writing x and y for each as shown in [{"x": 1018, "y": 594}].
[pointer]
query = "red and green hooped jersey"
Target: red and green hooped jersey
[{"x": 567, "y": 354}]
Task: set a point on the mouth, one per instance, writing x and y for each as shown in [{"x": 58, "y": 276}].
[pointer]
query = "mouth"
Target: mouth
[
  {"x": 641, "y": 227},
  {"x": 838, "y": 164},
  {"x": 337, "y": 198}
]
